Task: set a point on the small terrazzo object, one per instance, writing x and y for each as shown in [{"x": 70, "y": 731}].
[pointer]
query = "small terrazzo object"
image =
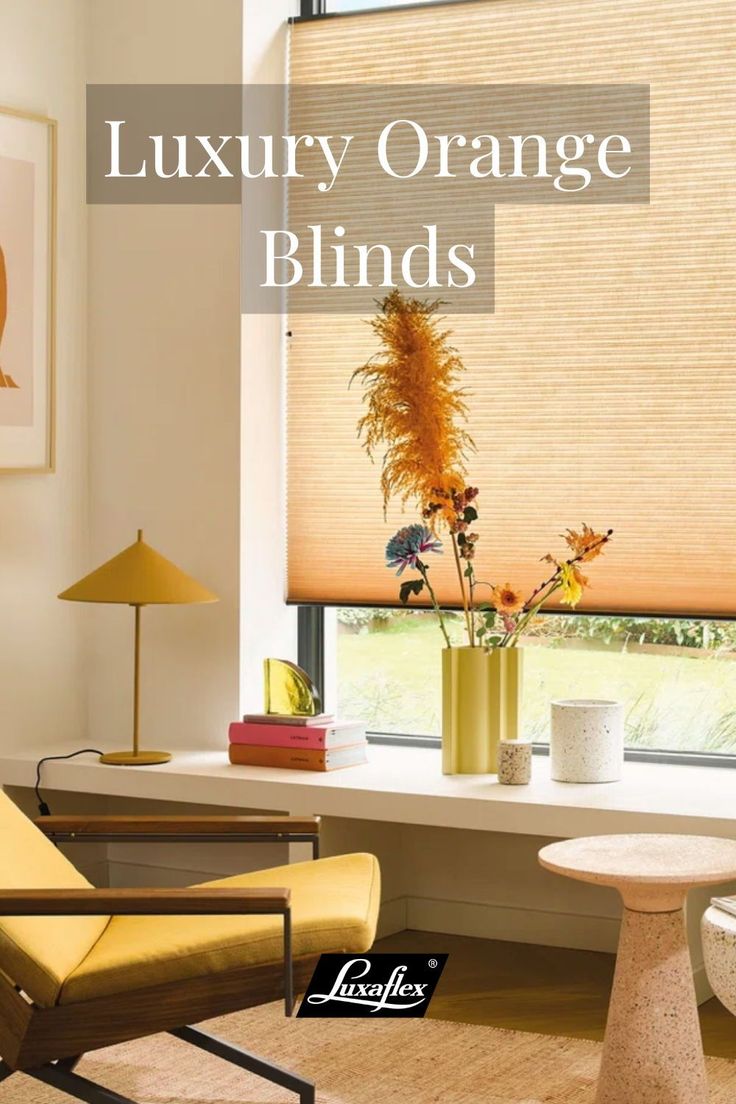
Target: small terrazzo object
[
  {"x": 718, "y": 930},
  {"x": 514, "y": 762},
  {"x": 587, "y": 740}
]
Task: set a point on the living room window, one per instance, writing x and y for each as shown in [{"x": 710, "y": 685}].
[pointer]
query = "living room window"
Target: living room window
[
  {"x": 677, "y": 677},
  {"x": 603, "y": 392}
]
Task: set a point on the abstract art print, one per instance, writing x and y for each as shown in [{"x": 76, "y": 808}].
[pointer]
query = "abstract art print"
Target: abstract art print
[{"x": 27, "y": 274}]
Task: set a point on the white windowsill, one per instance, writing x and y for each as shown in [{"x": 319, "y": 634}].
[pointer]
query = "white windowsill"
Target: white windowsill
[{"x": 405, "y": 785}]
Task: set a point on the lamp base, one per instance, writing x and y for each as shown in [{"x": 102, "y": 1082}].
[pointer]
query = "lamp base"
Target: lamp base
[{"x": 135, "y": 758}]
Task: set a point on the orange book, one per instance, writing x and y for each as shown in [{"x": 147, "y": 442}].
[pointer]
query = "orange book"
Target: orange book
[{"x": 297, "y": 758}]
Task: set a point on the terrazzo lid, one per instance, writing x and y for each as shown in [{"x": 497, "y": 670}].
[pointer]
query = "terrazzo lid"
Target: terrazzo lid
[
  {"x": 645, "y": 859},
  {"x": 720, "y": 919}
]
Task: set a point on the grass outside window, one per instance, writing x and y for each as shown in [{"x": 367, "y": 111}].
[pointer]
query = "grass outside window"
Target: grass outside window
[{"x": 677, "y": 679}]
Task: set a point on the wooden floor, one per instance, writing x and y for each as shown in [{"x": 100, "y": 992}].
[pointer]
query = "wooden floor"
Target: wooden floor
[{"x": 530, "y": 988}]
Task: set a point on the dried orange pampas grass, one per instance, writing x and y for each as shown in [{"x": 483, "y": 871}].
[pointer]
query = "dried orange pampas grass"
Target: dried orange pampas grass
[{"x": 413, "y": 404}]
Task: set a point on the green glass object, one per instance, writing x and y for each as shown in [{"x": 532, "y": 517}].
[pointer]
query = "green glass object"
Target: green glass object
[{"x": 289, "y": 690}]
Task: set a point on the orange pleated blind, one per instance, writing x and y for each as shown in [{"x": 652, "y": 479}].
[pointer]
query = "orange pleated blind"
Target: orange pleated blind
[{"x": 603, "y": 387}]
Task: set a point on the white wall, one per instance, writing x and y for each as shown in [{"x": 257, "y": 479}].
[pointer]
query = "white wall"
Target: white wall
[
  {"x": 164, "y": 349},
  {"x": 42, "y": 534},
  {"x": 163, "y": 449},
  {"x": 268, "y": 627}
]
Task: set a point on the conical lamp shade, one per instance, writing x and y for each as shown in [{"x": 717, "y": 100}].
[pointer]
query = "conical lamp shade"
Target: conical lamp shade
[{"x": 139, "y": 576}]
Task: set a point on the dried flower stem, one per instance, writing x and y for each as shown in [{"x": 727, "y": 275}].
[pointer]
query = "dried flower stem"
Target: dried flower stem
[
  {"x": 422, "y": 569},
  {"x": 466, "y": 608},
  {"x": 574, "y": 559},
  {"x": 545, "y": 590},
  {"x": 542, "y": 594},
  {"x": 471, "y": 592},
  {"x": 511, "y": 638}
]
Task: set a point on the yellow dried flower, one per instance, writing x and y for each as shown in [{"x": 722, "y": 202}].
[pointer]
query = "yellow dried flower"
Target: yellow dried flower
[{"x": 573, "y": 583}]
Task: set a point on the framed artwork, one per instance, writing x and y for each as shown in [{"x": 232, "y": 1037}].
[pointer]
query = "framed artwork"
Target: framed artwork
[{"x": 27, "y": 290}]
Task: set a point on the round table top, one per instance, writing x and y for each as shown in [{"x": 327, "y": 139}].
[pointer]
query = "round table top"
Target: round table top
[{"x": 645, "y": 866}]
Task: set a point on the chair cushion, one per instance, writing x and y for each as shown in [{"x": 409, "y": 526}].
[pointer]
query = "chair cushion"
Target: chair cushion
[
  {"x": 39, "y": 952},
  {"x": 334, "y": 906}
]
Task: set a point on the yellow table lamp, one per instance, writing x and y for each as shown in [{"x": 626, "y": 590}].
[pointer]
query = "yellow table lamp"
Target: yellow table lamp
[{"x": 138, "y": 576}]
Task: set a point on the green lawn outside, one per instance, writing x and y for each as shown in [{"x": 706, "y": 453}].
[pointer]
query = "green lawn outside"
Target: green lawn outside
[{"x": 390, "y": 678}]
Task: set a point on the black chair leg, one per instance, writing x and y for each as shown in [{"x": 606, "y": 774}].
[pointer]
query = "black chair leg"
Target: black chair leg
[
  {"x": 69, "y": 1064},
  {"x": 60, "y": 1075},
  {"x": 79, "y": 1087},
  {"x": 247, "y": 1061}
]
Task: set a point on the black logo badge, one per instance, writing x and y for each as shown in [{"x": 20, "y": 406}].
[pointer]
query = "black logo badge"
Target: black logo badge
[{"x": 372, "y": 985}]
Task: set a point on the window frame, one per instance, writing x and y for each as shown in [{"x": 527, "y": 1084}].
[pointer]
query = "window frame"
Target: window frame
[{"x": 317, "y": 9}]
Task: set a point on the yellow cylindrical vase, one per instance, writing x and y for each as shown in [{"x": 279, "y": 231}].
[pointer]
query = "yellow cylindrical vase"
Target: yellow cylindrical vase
[{"x": 481, "y": 705}]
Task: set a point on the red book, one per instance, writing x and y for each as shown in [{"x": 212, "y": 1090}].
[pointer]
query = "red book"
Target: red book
[
  {"x": 308, "y": 759},
  {"x": 335, "y": 735}
]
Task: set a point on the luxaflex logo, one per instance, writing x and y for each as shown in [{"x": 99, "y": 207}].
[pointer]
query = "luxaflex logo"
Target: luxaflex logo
[{"x": 372, "y": 985}]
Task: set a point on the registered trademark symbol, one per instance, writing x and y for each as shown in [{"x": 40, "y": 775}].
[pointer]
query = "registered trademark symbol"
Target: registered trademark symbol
[{"x": 432, "y": 963}]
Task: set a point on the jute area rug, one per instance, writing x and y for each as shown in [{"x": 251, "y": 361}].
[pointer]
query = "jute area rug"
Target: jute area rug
[{"x": 356, "y": 1062}]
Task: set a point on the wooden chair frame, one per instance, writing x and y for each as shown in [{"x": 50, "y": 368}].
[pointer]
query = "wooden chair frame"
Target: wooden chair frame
[{"x": 48, "y": 1043}]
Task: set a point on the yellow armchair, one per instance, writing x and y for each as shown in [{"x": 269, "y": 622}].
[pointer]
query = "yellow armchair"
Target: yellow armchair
[{"x": 83, "y": 968}]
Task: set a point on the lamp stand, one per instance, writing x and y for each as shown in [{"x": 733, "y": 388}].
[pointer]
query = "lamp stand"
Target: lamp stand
[{"x": 136, "y": 757}]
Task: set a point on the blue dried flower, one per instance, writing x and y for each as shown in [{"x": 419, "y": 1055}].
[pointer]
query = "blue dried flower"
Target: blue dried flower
[{"x": 405, "y": 548}]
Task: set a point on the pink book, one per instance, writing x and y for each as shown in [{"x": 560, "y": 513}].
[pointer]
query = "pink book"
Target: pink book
[{"x": 339, "y": 734}]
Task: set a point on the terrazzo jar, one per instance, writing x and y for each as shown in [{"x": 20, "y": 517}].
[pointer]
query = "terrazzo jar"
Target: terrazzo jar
[
  {"x": 514, "y": 762},
  {"x": 587, "y": 740}
]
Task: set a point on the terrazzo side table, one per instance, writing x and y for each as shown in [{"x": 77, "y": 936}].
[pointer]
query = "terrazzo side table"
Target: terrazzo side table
[{"x": 653, "y": 1051}]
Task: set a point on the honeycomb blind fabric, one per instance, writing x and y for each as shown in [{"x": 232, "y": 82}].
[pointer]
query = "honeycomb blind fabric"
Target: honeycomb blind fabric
[{"x": 603, "y": 388}]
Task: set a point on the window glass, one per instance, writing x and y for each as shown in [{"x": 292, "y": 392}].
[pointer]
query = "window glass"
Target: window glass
[{"x": 677, "y": 678}]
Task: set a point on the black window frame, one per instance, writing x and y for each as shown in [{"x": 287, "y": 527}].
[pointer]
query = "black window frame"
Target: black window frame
[{"x": 317, "y": 9}]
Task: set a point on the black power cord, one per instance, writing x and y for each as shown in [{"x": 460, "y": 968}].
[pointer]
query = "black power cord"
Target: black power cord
[{"x": 43, "y": 808}]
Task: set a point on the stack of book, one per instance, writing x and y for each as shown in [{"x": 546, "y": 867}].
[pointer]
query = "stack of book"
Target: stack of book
[{"x": 297, "y": 743}]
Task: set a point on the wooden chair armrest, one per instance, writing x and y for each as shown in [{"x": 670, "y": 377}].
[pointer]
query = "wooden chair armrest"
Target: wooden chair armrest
[
  {"x": 144, "y": 902},
  {"x": 252, "y": 827}
]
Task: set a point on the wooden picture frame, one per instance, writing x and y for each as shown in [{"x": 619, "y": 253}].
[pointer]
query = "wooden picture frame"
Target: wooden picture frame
[{"x": 28, "y": 155}]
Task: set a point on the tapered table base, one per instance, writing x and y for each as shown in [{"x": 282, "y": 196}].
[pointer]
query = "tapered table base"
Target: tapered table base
[{"x": 653, "y": 1052}]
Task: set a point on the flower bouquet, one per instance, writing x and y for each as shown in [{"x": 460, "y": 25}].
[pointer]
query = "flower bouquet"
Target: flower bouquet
[{"x": 415, "y": 414}]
